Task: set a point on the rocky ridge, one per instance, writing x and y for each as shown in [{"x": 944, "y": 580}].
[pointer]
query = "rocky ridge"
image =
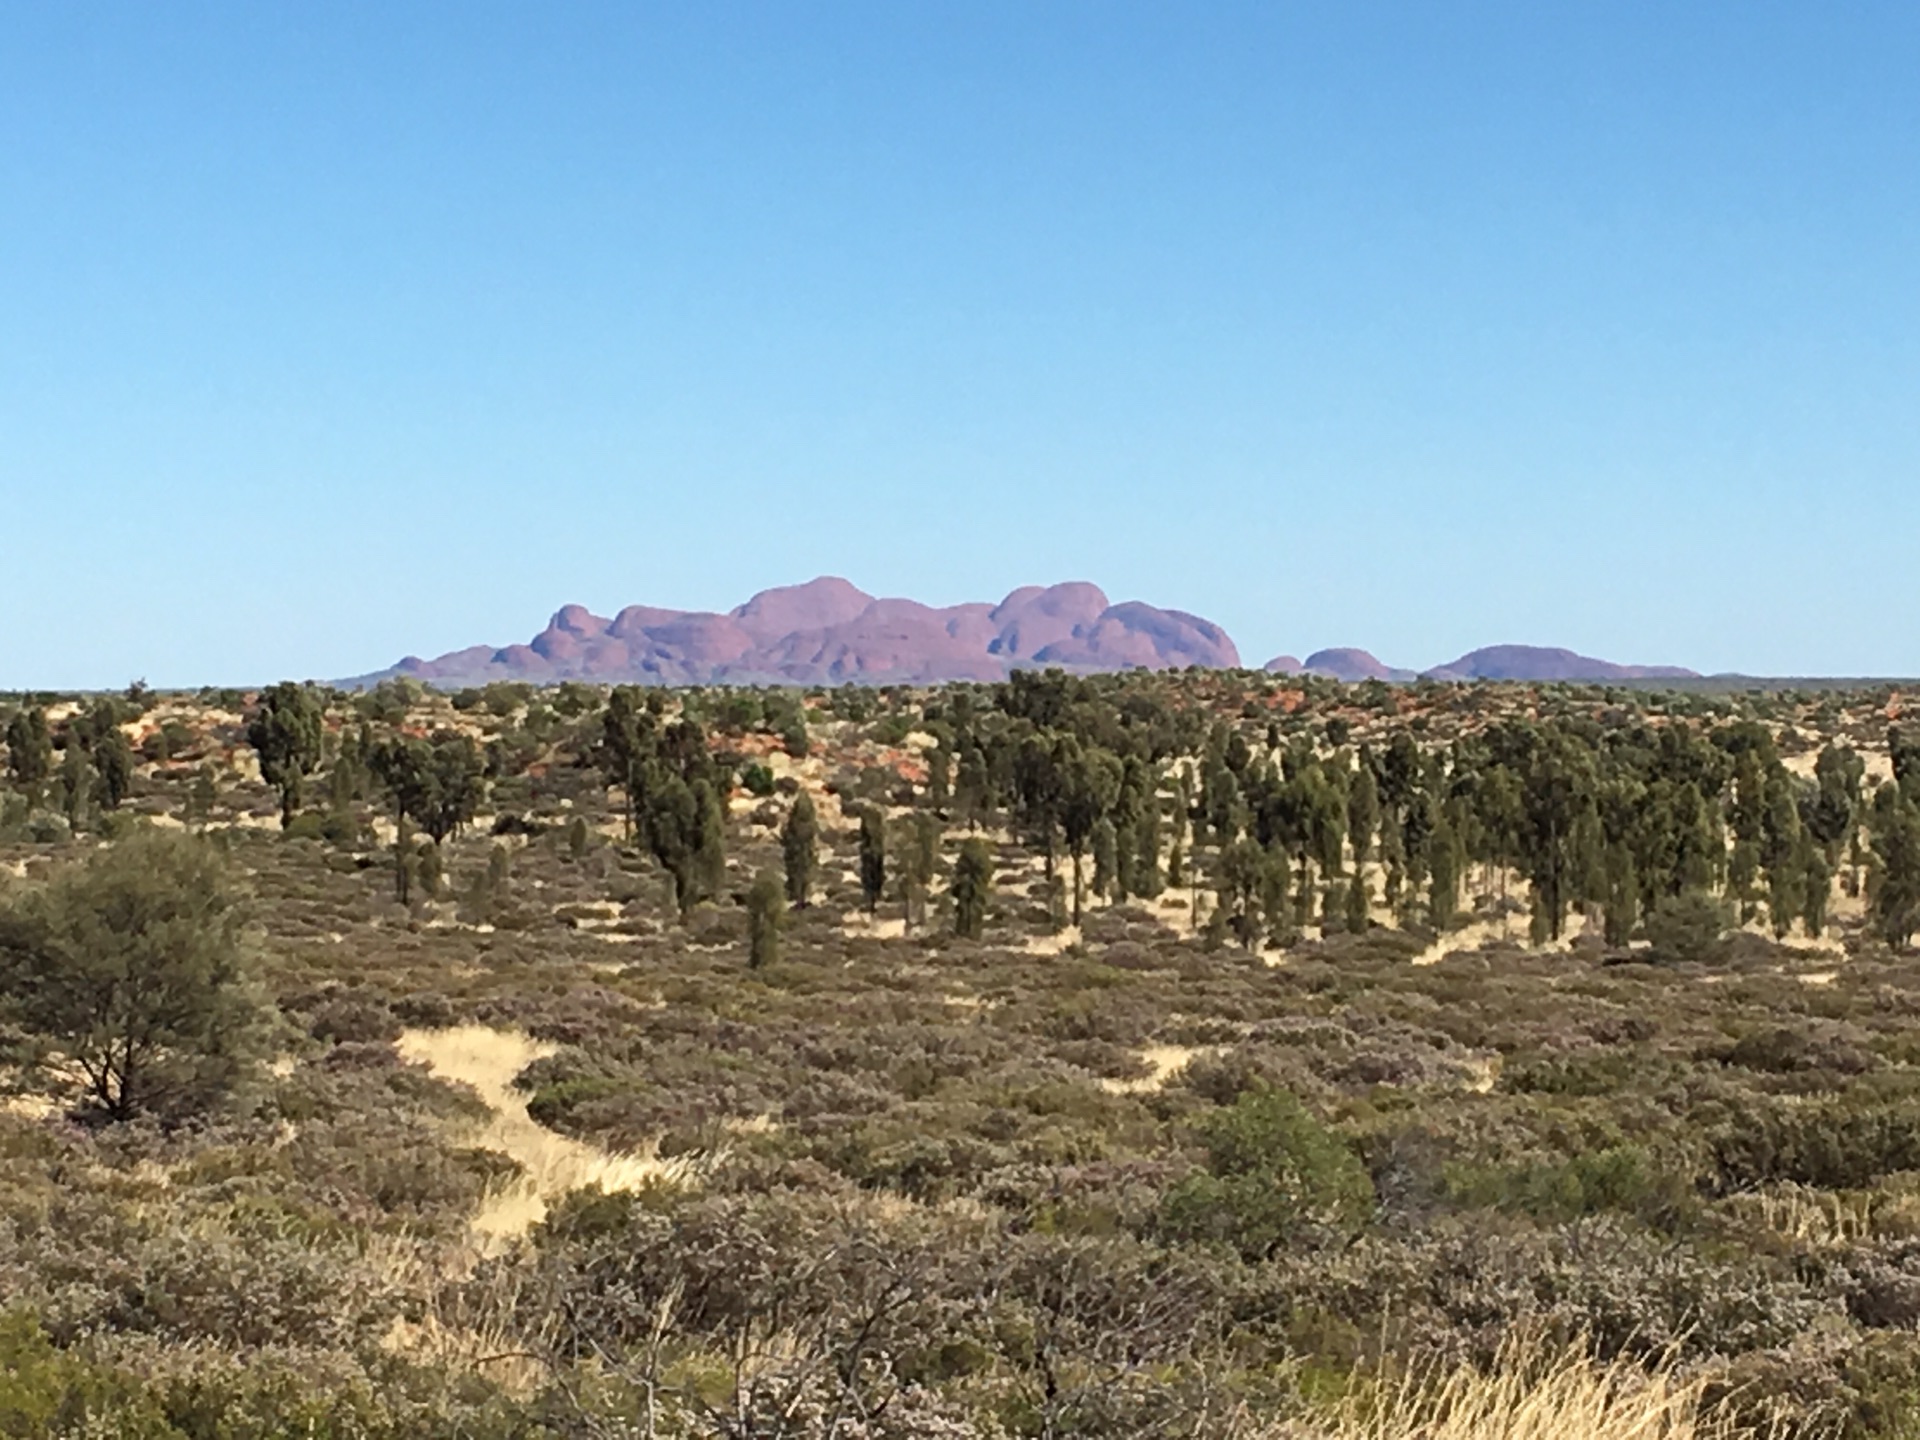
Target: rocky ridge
[{"x": 828, "y": 631}]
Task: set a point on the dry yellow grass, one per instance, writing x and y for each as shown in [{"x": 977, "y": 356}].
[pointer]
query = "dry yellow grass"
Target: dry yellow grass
[
  {"x": 1824, "y": 1219},
  {"x": 1534, "y": 1391},
  {"x": 551, "y": 1164}
]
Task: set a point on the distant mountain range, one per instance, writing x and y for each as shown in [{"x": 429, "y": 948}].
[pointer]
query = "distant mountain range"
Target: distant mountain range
[
  {"x": 1494, "y": 662},
  {"x": 828, "y": 631}
]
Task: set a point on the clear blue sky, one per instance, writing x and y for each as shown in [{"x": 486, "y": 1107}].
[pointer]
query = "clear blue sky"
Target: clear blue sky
[{"x": 334, "y": 332}]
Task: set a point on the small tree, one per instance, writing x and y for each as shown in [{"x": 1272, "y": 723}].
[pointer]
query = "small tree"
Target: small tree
[
  {"x": 29, "y": 749},
  {"x": 710, "y": 847},
  {"x": 128, "y": 968},
  {"x": 793, "y": 735},
  {"x": 873, "y": 857},
  {"x": 673, "y": 827},
  {"x": 1363, "y": 810},
  {"x": 1359, "y": 904},
  {"x": 764, "y": 909},
  {"x": 76, "y": 784},
  {"x": 972, "y": 888},
  {"x": 285, "y": 731},
  {"x": 1688, "y": 926},
  {"x": 113, "y": 769},
  {"x": 918, "y": 849},
  {"x": 437, "y": 783},
  {"x": 1895, "y": 884},
  {"x": 799, "y": 848}
]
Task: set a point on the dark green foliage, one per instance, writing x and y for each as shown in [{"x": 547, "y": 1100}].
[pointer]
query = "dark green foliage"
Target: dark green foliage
[
  {"x": 29, "y": 748},
  {"x": 794, "y": 738},
  {"x": 1895, "y": 887},
  {"x": 286, "y": 730},
  {"x": 129, "y": 966},
  {"x": 972, "y": 889},
  {"x": 437, "y": 782},
  {"x": 765, "y": 907},
  {"x": 873, "y": 856},
  {"x": 1274, "y": 1176},
  {"x": 799, "y": 850}
]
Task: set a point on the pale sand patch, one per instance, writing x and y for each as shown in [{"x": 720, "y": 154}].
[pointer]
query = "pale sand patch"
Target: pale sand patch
[
  {"x": 1819, "y": 977},
  {"x": 1468, "y": 937},
  {"x": 1828, "y": 943},
  {"x": 1472, "y": 937},
  {"x": 1484, "y": 1074},
  {"x": 481, "y": 928},
  {"x": 1166, "y": 1062},
  {"x": 1052, "y": 944},
  {"x": 29, "y": 1107},
  {"x": 553, "y": 1164},
  {"x": 858, "y": 922},
  {"x": 1878, "y": 763}
]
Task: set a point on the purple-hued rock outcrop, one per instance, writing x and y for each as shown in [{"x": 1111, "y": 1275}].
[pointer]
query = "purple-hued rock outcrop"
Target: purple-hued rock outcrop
[{"x": 828, "y": 631}]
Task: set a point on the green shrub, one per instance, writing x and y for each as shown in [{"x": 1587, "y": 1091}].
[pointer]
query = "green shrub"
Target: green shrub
[
  {"x": 1274, "y": 1174},
  {"x": 1688, "y": 927},
  {"x": 46, "y": 1392}
]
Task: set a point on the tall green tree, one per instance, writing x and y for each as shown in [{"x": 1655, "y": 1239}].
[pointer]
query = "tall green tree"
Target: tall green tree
[
  {"x": 873, "y": 857},
  {"x": 629, "y": 744},
  {"x": 1443, "y": 877},
  {"x": 1089, "y": 785},
  {"x": 1894, "y": 888},
  {"x": 1242, "y": 868},
  {"x": 1816, "y": 885},
  {"x": 437, "y": 782},
  {"x": 76, "y": 783},
  {"x": 1105, "y": 843},
  {"x": 29, "y": 749},
  {"x": 800, "y": 849},
  {"x": 113, "y": 769},
  {"x": 1146, "y": 880},
  {"x": 940, "y": 776},
  {"x": 1558, "y": 790},
  {"x": 1363, "y": 809},
  {"x": 1831, "y": 812},
  {"x": 764, "y": 912},
  {"x": 710, "y": 843},
  {"x": 972, "y": 888},
  {"x": 918, "y": 852},
  {"x": 286, "y": 730},
  {"x": 674, "y": 824},
  {"x": 973, "y": 792}
]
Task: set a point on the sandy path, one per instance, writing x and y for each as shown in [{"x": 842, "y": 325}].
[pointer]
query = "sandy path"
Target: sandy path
[
  {"x": 1472, "y": 937},
  {"x": 1166, "y": 1061},
  {"x": 553, "y": 1164}
]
